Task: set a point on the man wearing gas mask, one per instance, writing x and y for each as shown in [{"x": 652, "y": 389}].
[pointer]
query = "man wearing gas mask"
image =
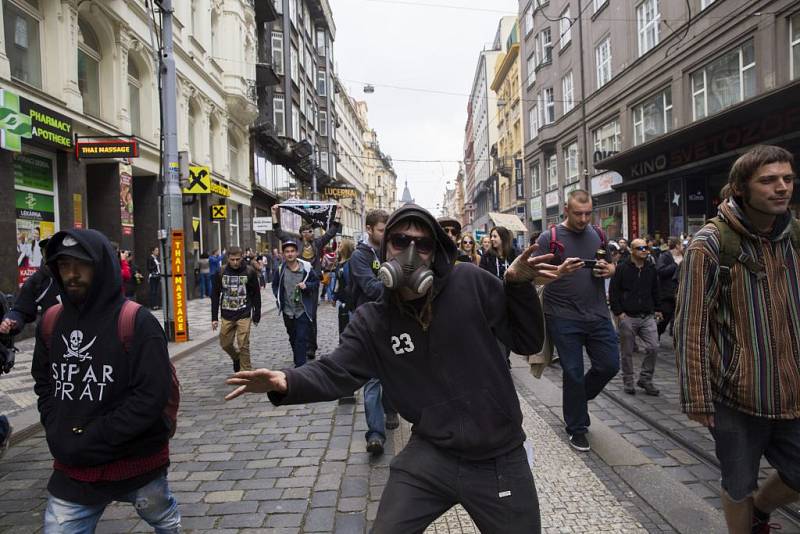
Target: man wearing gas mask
[{"x": 432, "y": 341}]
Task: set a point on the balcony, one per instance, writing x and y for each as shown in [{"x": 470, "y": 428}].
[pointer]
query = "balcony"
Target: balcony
[
  {"x": 265, "y": 10},
  {"x": 241, "y": 97}
]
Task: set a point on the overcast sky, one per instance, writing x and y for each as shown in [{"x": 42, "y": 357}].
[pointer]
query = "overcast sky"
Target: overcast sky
[{"x": 418, "y": 44}]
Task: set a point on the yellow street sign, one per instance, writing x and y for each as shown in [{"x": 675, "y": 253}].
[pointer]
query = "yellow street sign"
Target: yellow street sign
[
  {"x": 219, "y": 211},
  {"x": 199, "y": 181}
]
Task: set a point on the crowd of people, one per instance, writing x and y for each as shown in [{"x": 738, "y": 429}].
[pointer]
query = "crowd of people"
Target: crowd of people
[{"x": 428, "y": 317}]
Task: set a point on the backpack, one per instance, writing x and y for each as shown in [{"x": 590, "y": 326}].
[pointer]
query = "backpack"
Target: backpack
[
  {"x": 557, "y": 247},
  {"x": 730, "y": 249},
  {"x": 344, "y": 291},
  {"x": 125, "y": 330}
]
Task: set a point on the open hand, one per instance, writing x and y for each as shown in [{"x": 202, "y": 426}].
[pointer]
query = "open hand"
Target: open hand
[
  {"x": 258, "y": 381},
  {"x": 527, "y": 268}
]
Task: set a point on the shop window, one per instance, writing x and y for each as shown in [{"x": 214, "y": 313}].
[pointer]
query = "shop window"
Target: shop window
[
  {"x": 23, "y": 47},
  {"x": 653, "y": 117},
  {"x": 89, "y": 58},
  {"x": 609, "y": 218},
  {"x": 725, "y": 81},
  {"x": 648, "y": 19},
  {"x": 277, "y": 52},
  {"x": 794, "y": 36},
  {"x": 134, "y": 97}
]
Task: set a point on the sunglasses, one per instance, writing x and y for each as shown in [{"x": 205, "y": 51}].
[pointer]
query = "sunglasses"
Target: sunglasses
[
  {"x": 424, "y": 244},
  {"x": 468, "y": 242},
  {"x": 451, "y": 231},
  {"x": 642, "y": 248}
]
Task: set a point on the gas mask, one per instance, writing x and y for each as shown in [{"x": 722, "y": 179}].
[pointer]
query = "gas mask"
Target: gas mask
[{"x": 407, "y": 270}]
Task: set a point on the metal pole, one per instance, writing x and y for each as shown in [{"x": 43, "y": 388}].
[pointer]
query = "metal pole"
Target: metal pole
[{"x": 172, "y": 199}]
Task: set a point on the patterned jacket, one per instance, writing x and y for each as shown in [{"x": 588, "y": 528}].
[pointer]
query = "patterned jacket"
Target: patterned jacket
[{"x": 738, "y": 342}]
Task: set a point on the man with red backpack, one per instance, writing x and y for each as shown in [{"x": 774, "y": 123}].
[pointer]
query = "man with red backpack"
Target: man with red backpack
[
  {"x": 107, "y": 392},
  {"x": 576, "y": 311}
]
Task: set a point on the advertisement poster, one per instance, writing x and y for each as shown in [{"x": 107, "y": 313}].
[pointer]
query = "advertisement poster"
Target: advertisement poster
[
  {"x": 35, "y": 211},
  {"x": 126, "y": 197}
]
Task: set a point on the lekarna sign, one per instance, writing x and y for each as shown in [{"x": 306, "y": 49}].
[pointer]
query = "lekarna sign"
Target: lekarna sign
[{"x": 262, "y": 224}]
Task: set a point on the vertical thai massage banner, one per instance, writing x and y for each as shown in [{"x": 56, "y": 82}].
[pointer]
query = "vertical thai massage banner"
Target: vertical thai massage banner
[
  {"x": 126, "y": 198},
  {"x": 34, "y": 199}
]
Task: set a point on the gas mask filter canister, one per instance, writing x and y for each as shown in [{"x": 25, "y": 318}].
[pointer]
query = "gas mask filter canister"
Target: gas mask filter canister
[{"x": 407, "y": 270}]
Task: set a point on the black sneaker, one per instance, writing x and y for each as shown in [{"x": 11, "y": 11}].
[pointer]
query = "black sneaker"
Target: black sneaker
[
  {"x": 649, "y": 388},
  {"x": 8, "y": 430},
  {"x": 375, "y": 446},
  {"x": 630, "y": 390},
  {"x": 579, "y": 442},
  {"x": 392, "y": 421},
  {"x": 236, "y": 366}
]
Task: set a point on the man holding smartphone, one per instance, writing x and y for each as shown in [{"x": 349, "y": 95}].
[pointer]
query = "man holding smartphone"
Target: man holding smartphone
[{"x": 576, "y": 312}]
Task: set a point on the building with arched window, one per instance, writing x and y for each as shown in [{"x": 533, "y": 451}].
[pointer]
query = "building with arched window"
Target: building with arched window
[{"x": 87, "y": 68}]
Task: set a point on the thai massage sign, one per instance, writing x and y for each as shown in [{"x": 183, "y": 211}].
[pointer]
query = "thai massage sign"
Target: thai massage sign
[{"x": 22, "y": 119}]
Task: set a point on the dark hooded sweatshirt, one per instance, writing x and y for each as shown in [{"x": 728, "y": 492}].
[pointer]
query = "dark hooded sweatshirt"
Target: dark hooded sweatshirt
[
  {"x": 238, "y": 293},
  {"x": 451, "y": 380},
  {"x": 102, "y": 408}
]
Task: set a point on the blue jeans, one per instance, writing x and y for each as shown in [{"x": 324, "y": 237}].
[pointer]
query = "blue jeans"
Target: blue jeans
[
  {"x": 205, "y": 285},
  {"x": 570, "y": 337},
  {"x": 331, "y": 287},
  {"x": 376, "y": 406},
  {"x": 153, "y": 502},
  {"x": 299, "y": 330}
]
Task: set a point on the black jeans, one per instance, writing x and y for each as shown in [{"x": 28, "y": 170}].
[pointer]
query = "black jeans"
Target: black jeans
[
  {"x": 155, "y": 287},
  {"x": 312, "y": 338},
  {"x": 424, "y": 482}
]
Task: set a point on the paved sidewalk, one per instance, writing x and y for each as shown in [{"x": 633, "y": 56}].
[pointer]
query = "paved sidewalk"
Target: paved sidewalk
[{"x": 246, "y": 466}]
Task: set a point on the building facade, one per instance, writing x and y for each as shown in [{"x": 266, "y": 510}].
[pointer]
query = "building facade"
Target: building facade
[
  {"x": 351, "y": 171},
  {"x": 646, "y": 105},
  {"x": 73, "y": 69}
]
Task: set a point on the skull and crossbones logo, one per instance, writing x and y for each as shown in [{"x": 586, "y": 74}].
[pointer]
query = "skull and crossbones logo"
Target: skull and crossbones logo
[{"x": 74, "y": 349}]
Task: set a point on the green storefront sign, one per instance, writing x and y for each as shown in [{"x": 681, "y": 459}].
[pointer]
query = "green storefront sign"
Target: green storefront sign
[
  {"x": 21, "y": 119},
  {"x": 33, "y": 206},
  {"x": 33, "y": 171}
]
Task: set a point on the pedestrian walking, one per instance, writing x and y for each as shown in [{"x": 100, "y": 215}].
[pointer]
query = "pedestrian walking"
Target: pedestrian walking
[
  {"x": 154, "y": 273},
  {"x": 432, "y": 341},
  {"x": 737, "y": 336},
  {"x": 214, "y": 263},
  {"x": 36, "y": 295},
  {"x": 635, "y": 301},
  {"x": 136, "y": 276},
  {"x": 311, "y": 251},
  {"x": 107, "y": 393},
  {"x": 468, "y": 249},
  {"x": 576, "y": 312},
  {"x": 235, "y": 290},
  {"x": 7, "y": 360},
  {"x": 486, "y": 245},
  {"x": 342, "y": 296},
  {"x": 668, "y": 266},
  {"x": 501, "y": 254},
  {"x": 204, "y": 266},
  {"x": 367, "y": 287},
  {"x": 451, "y": 226},
  {"x": 295, "y": 286},
  {"x": 624, "y": 251}
]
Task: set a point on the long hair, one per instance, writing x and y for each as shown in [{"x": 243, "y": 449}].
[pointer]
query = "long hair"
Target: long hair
[
  {"x": 474, "y": 256},
  {"x": 346, "y": 249},
  {"x": 505, "y": 241}
]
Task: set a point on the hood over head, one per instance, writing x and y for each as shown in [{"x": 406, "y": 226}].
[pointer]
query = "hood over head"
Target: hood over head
[
  {"x": 445, "y": 253},
  {"x": 106, "y": 287}
]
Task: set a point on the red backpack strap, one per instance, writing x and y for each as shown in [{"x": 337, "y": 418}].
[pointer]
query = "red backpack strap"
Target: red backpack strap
[
  {"x": 126, "y": 323},
  {"x": 49, "y": 321},
  {"x": 556, "y": 247},
  {"x": 602, "y": 236}
]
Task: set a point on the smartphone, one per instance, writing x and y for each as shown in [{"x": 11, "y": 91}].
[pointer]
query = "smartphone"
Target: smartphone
[{"x": 589, "y": 264}]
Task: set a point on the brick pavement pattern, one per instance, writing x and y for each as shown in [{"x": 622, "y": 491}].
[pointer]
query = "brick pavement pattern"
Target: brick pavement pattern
[{"x": 247, "y": 466}]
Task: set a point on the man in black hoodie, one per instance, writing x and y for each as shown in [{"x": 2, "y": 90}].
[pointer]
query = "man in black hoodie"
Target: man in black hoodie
[
  {"x": 102, "y": 402},
  {"x": 236, "y": 287},
  {"x": 38, "y": 293},
  {"x": 432, "y": 341}
]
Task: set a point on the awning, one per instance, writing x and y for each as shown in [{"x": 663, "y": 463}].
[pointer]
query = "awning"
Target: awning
[{"x": 508, "y": 220}]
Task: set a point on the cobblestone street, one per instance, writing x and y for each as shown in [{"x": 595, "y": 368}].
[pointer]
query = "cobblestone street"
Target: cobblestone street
[{"x": 247, "y": 466}]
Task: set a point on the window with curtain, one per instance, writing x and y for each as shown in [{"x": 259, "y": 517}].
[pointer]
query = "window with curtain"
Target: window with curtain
[
  {"x": 23, "y": 47},
  {"x": 89, "y": 58},
  {"x": 653, "y": 117},
  {"x": 725, "y": 81}
]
